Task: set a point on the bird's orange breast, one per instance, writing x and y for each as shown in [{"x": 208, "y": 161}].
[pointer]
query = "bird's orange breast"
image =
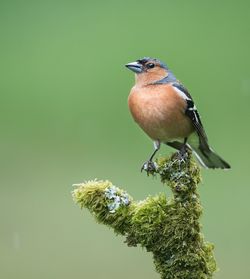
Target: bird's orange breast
[{"x": 160, "y": 112}]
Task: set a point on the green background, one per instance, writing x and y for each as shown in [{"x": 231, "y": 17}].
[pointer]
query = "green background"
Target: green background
[{"x": 64, "y": 119}]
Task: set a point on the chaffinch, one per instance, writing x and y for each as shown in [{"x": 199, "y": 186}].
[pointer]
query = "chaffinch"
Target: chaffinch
[{"x": 165, "y": 111}]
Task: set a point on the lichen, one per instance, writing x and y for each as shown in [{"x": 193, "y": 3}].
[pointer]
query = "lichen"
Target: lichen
[{"x": 167, "y": 227}]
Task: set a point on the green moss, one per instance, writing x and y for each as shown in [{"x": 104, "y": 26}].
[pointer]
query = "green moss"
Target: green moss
[{"x": 169, "y": 228}]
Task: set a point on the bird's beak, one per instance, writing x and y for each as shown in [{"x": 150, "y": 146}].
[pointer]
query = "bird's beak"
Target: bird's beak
[{"x": 135, "y": 67}]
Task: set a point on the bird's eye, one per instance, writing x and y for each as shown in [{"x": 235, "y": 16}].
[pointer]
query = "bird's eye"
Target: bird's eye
[{"x": 150, "y": 65}]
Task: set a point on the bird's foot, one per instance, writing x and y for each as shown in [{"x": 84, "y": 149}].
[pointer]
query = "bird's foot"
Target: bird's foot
[
  {"x": 182, "y": 155},
  {"x": 149, "y": 167}
]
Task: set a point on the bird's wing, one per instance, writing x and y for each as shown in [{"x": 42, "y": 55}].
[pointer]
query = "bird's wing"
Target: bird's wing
[{"x": 192, "y": 113}]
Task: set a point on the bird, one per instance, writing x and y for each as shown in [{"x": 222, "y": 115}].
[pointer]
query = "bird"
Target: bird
[{"x": 165, "y": 111}]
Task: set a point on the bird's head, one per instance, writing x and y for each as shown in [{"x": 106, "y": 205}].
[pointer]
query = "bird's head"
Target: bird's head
[{"x": 148, "y": 70}]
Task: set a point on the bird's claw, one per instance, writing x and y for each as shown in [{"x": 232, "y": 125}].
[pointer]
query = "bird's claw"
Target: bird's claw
[
  {"x": 149, "y": 167},
  {"x": 182, "y": 156}
]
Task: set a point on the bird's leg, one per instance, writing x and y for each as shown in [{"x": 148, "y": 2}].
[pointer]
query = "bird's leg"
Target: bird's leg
[
  {"x": 149, "y": 165},
  {"x": 182, "y": 154}
]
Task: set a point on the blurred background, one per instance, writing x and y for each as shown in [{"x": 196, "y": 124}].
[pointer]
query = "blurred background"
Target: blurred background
[{"x": 64, "y": 119}]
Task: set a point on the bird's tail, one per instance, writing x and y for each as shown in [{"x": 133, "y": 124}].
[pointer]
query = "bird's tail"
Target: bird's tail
[{"x": 208, "y": 158}]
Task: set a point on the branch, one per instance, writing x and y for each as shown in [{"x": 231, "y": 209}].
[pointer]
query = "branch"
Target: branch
[{"x": 167, "y": 227}]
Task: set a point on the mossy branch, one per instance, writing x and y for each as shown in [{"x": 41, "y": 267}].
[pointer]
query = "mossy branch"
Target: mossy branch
[{"x": 169, "y": 228}]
